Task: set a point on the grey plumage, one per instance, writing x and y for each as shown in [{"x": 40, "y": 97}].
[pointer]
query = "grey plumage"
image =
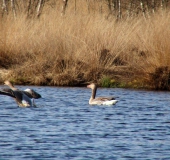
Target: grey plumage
[
  {"x": 23, "y": 98},
  {"x": 99, "y": 100}
]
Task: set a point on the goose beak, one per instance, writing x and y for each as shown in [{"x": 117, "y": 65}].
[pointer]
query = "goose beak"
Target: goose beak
[{"x": 88, "y": 86}]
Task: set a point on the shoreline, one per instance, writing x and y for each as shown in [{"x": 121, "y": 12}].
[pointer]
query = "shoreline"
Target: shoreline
[{"x": 104, "y": 82}]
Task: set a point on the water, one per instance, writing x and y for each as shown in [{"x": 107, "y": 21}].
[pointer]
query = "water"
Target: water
[{"x": 65, "y": 127}]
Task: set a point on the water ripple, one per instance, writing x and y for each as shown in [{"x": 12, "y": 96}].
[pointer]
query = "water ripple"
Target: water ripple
[{"x": 64, "y": 126}]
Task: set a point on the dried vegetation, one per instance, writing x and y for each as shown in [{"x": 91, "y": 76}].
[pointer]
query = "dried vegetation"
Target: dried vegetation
[{"x": 84, "y": 46}]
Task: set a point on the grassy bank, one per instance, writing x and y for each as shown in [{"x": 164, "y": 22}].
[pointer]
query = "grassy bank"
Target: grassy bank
[{"x": 78, "y": 48}]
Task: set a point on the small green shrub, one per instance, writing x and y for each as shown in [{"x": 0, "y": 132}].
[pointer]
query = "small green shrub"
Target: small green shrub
[{"x": 105, "y": 81}]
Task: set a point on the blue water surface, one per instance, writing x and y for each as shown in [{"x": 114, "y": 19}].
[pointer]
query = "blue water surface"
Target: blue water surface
[{"x": 65, "y": 127}]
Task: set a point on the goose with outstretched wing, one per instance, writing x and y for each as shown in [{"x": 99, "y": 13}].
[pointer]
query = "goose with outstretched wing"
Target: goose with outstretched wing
[{"x": 23, "y": 98}]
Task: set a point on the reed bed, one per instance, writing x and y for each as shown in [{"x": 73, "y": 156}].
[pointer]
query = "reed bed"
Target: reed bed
[{"x": 78, "y": 48}]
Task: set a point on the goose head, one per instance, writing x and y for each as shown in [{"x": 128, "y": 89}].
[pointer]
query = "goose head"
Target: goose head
[
  {"x": 8, "y": 83},
  {"x": 92, "y": 86}
]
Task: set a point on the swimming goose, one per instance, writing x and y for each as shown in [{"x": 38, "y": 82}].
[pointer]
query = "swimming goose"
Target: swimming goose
[
  {"x": 99, "y": 100},
  {"x": 23, "y": 98}
]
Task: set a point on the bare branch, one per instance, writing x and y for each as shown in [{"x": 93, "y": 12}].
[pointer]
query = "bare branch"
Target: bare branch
[
  {"x": 64, "y": 7},
  {"x": 119, "y": 6},
  {"x": 4, "y": 7},
  {"x": 28, "y": 7},
  {"x": 142, "y": 8},
  {"x": 153, "y": 6},
  {"x": 39, "y": 7},
  {"x": 13, "y": 8}
]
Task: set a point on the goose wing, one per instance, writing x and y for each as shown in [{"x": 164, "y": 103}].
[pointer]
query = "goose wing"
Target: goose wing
[
  {"x": 22, "y": 98},
  {"x": 17, "y": 95},
  {"x": 31, "y": 93},
  {"x": 8, "y": 92},
  {"x": 105, "y": 98}
]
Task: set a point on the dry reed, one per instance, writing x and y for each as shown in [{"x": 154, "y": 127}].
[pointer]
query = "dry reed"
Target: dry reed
[{"x": 78, "y": 48}]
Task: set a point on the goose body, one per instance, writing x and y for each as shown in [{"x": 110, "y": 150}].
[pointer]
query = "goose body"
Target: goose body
[
  {"x": 23, "y": 98},
  {"x": 100, "y": 100}
]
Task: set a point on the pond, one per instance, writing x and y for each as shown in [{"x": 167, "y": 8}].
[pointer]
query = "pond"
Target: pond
[{"x": 65, "y": 127}]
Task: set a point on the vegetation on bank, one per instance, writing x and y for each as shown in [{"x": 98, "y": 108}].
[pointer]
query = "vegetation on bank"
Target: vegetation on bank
[{"x": 81, "y": 47}]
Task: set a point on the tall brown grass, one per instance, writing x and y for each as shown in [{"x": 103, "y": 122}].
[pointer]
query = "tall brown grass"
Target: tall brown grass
[{"x": 83, "y": 47}]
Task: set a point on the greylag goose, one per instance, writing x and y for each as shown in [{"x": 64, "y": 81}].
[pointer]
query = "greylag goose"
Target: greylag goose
[
  {"x": 23, "y": 98},
  {"x": 99, "y": 100}
]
